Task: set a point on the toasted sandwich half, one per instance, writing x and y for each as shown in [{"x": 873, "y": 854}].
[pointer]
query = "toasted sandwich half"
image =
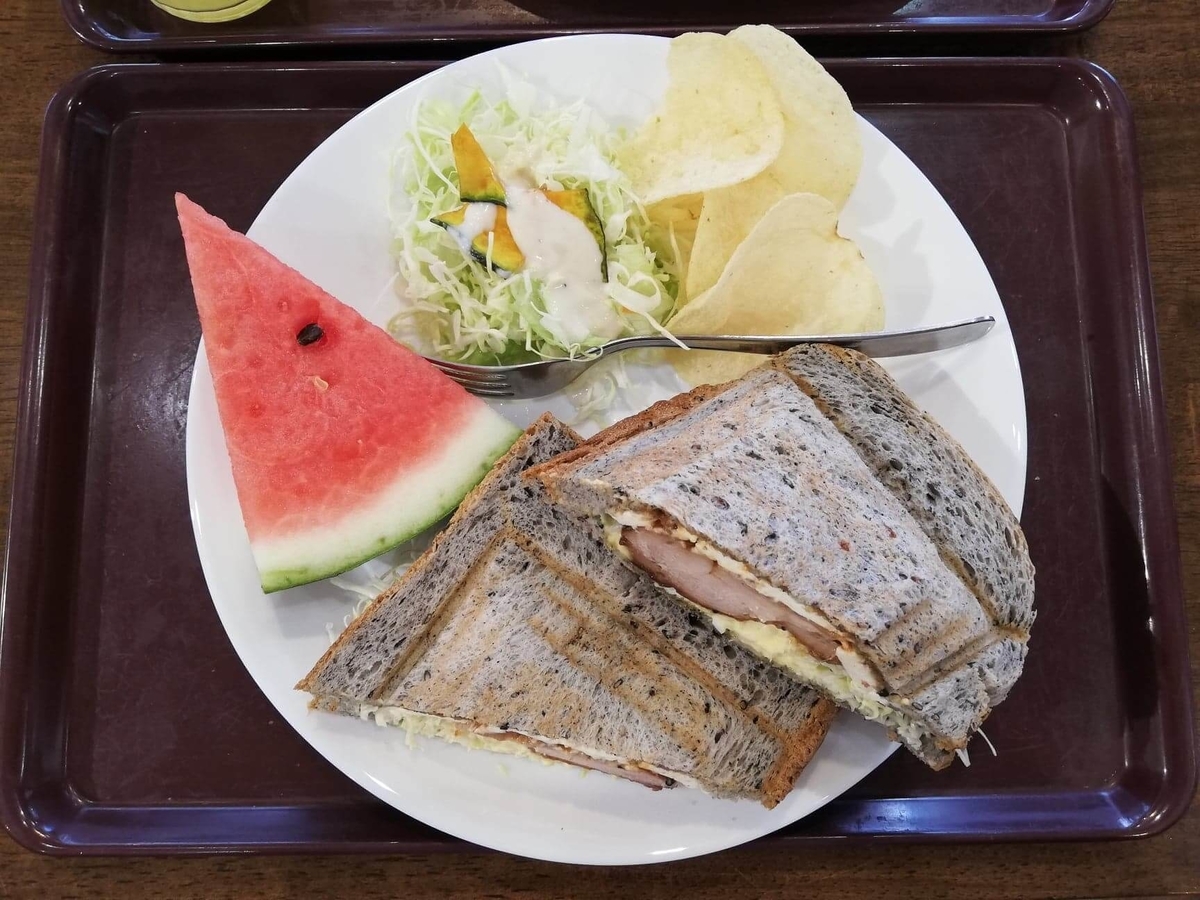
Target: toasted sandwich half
[
  {"x": 519, "y": 631},
  {"x": 811, "y": 511}
]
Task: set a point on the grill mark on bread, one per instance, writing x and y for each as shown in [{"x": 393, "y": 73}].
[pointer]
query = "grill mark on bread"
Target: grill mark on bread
[
  {"x": 869, "y": 400},
  {"x": 671, "y": 651},
  {"x": 798, "y": 746},
  {"x": 419, "y": 644},
  {"x": 963, "y": 656},
  {"x": 637, "y": 683}
]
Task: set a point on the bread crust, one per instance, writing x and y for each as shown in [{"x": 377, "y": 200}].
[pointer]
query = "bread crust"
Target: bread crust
[
  {"x": 653, "y": 416},
  {"x": 799, "y": 753}
]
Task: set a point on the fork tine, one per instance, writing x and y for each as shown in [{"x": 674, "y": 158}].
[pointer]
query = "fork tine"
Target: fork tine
[
  {"x": 497, "y": 388},
  {"x": 471, "y": 374},
  {"x": 467, "y": 381},
  {"x": 497, "y": 392},
  {"x": 481, "y": 380}
]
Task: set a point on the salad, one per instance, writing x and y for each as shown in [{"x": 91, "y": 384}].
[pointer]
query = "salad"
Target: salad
[{"x": 518, "y": 236}]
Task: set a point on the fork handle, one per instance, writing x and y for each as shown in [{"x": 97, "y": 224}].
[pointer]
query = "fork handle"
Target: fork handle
[{"x": 907, "y": 342}]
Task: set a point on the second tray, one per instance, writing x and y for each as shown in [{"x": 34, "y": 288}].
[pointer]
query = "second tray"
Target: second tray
[{"x": 136, "y": 25}]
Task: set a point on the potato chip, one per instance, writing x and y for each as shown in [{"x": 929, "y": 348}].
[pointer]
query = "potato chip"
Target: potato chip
[
  {"x": 821, "y": 153},
  {"x": 675, "y": 224},
  {"x": 793, "y": 274},
  {"x": 720, "y": 122},
  {"x": 726, "y": 217},
  {"x": 822, "y": 143}
]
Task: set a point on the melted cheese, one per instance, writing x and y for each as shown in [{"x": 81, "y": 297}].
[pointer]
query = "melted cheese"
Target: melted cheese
[{"x": 782, "y": 649}]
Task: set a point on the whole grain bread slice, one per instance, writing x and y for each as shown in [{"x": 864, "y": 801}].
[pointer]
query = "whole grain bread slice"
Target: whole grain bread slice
[
  {"x": 928, "y": 471},
  {"x": 520, "y": 619}
]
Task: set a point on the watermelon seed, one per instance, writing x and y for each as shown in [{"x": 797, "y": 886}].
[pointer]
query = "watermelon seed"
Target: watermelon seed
[
  {"x": 320, "y": 383},
  {"x": 309, "y": 334}
]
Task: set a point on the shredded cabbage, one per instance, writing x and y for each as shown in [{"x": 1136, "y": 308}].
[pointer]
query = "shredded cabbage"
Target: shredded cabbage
[
  {"x": 456, "y": 308},
  {"x": 595, "y": 391}
]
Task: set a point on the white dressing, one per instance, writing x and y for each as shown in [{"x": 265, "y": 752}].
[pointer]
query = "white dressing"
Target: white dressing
[
  {"x": 479, "y": 218},
  {"x": 561, "y": 253}
]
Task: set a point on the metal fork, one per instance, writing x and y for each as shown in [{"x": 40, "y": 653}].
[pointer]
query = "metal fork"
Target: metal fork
[{"x": 536, "y": 379}]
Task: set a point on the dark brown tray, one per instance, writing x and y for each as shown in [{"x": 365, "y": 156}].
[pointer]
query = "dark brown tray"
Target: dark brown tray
[
  {"x": 128, "y": 724},
  {"x": 136, "y": 25}
]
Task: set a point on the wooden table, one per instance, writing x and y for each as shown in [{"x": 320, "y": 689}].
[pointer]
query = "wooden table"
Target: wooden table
[{"x": 1151, "y": 47}]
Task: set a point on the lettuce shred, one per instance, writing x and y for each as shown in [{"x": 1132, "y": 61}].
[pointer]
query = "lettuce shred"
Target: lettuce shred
[{"x": 453, "y": 307}]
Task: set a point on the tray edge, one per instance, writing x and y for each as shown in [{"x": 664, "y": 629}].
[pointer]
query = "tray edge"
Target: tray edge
[
  {"x": 14, "y": 809},
  {"x": 1179, "y": 783},
  {"x": 89, "y": 32}
]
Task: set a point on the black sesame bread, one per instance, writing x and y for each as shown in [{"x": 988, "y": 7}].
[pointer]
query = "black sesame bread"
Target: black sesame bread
[
  {"x": 927, "y": 470},
  {"x": 519, "y": 623},
  {"x": 814, "y": 480}
]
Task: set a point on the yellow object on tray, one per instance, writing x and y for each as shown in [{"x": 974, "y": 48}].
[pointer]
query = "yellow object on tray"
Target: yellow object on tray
[{"x": 210, "y": 10}]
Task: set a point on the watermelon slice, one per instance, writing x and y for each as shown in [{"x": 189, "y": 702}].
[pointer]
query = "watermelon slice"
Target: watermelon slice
[{"x": 344, "y": 443}]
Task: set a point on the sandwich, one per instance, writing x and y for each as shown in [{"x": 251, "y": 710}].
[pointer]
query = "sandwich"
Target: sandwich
[
  {"x": 518, "y": 631},
  {"x": 813, "y": 513}
]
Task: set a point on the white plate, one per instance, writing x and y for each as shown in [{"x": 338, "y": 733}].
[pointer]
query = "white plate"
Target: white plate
[{"x": 328, "y": 220}]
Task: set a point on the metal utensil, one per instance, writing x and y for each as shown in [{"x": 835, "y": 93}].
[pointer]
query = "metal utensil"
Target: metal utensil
[{"x": 536, "y": 379}]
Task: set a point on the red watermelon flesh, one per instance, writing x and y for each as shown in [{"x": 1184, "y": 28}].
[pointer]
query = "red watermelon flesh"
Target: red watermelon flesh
[{"x": 342, "y": 447}]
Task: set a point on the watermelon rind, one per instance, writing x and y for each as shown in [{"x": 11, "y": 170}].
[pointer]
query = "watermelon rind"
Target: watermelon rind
[{"x": 424, "y": 495}]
